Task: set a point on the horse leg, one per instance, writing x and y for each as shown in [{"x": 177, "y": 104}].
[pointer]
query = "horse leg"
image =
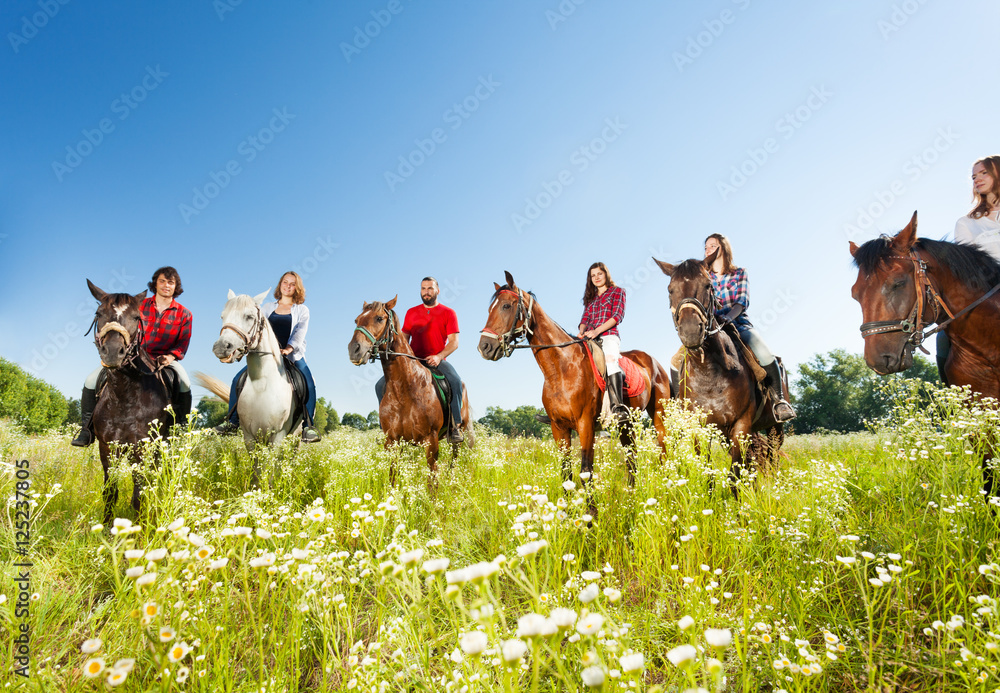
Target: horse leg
[
  {"x": 737, "y": 436},
  {"x": 586, "y": 431},
  {"x": 110, "y": 491},
  {"x": 564, "y": 443},
  {"x": 432, "y": 459},
  {"x": 627, "y": 437},
  {"x": 136, "y": 487}
]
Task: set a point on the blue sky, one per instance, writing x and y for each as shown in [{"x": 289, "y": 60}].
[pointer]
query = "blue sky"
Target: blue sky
[{"x": 368, "y": 144}]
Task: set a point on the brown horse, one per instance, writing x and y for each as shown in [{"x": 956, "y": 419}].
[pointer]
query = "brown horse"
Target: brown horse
[
  {"x": 905, "y": 284},
  {"x": 410, "y": 409},
  {"x": 714, "y": 372},
  {"x": 134, "y": 395},
  {"x": 571, "y": 395}
]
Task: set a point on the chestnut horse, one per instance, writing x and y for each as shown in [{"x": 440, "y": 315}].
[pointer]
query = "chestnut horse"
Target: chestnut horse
[
  {"x": 134, "y": 396},
  {"x": 714, "y": 372},
  {"x": 905, "y": 284},
  {"x": 410, "y": 409},
  {"x": 570, "y": 395}
]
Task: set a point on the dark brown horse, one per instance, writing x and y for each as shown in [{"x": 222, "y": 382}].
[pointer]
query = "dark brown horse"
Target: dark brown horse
[
  {"x": 906, "y": 284},
  {"x": 716, "y": 375},
  {"x": 410, "y": 409},
  {"x": 571, "y": 395},
  {"x": 134, "y": 396}
]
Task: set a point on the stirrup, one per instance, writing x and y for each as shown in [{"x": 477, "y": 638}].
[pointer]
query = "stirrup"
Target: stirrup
[
  {"x": 779, "y": 419},
  {"x": 455, "y": 434},
  {"x": 84, "y": 438},
  {"x": 309, "y": 435}
]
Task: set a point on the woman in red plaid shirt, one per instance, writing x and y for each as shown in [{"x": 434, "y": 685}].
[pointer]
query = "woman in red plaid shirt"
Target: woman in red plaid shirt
[
  {"x": 166, "y": 334},
  {"x": 733, "y": 295},
  {"x": 604, "y": 309}
]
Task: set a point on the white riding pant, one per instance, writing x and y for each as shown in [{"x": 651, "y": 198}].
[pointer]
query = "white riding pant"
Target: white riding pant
[
  {"x": 611, "y": 345},
  {"x": 183, "y": 381}
]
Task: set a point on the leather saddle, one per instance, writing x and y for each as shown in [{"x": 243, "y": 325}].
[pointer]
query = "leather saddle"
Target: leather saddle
[{"x": 443, "y": 390}]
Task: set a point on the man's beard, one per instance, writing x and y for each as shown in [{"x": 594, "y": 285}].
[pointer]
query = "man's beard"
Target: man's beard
[{"x": 429, "y": 300}]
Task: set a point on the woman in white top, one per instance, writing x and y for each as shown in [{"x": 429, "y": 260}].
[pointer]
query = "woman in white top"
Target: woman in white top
[
  {"x": 289, "y": 319},
  {"x": 980, "y": 227}
]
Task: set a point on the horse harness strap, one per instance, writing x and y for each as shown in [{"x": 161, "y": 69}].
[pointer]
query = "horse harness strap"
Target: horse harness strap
[
  {"x": 250, "y": 341},
  {"x": 914, "y": 324}
]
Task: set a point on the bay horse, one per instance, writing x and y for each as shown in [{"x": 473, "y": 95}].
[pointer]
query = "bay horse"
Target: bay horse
[
  {"x": 571, "y": 394},
  {"x": 906, "y": 284},
  {"x": 410, "y": 409},
  {"x": 134, "y": 397},
  {"x": 715, "y": 374},
  {"x": 266, "y": 406}
]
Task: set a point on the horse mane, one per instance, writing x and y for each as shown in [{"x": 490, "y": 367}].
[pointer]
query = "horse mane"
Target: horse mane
[
  {"x": 507, "y": 288},
  {"x": 969, "y": 264},
  {"x": 115, "y": 301},
  {"x": 689, "y": 269}
]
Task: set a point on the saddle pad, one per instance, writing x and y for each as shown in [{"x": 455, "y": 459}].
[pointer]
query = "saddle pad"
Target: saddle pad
[{"x": 634, "y": 382}]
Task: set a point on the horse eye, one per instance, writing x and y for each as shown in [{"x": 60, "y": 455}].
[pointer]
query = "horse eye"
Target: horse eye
[
  {"x": 380, "y": 319},
  {"x": 506, "y": 306},
  {"x": 898, "y": 284}
]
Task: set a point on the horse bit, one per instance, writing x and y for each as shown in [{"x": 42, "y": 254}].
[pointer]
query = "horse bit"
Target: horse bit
[
  {"x": 132, "y": 344},
  {"x": 251, "y": 341}
]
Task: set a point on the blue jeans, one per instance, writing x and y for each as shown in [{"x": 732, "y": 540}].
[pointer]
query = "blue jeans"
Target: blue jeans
[
  {"x": 752, "y": 339},
  {"x": 451, "y": 375},
  {"x": 310, "y": 389}
]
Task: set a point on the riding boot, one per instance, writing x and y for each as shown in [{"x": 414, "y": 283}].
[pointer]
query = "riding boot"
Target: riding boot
[
  {"x": 782, "y": 409},
  {"x": 618, "y": 407},
  {"x": 88, "y": 401},
  {"x": 182, "y": 408},
  {"x": 455, "y": 434}
]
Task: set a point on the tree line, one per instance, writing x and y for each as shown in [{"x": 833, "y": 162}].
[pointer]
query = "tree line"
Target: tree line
[{"x": 834, "y": 392}]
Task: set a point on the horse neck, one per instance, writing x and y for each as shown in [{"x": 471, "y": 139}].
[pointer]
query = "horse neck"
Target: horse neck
[
  {"x": 266, "y": 361},
  {"x": 401, "y": 366},
  {"x": 546, "y": 331},
  {"x": 976, "y": 328}
]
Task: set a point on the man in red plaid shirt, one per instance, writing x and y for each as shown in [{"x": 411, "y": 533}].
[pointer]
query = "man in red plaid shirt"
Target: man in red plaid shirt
[{"x": 166, "y": 326}]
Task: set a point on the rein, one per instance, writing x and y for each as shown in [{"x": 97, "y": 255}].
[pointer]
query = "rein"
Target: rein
[
  {"x": 250, "y": 341},
  {"x": 380, "y": 346},
  {"x": 914, "y": 324},
  {"x": 711, "y": 324},
  {"x": 509, "y": 340},
  {"x": 133, "y": 344}
]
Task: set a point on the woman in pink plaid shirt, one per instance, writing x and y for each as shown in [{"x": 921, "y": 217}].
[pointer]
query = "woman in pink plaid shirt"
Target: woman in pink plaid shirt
[
  {"x": 733, "y": 296},
  {"x": 604, "y": 309}
]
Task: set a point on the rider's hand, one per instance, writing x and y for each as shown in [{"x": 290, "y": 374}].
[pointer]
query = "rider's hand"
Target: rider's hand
[
  {"x": 287, "y": 350},
  {"x": 433, "y": 360},
  {"x": 165, "y": 360}
]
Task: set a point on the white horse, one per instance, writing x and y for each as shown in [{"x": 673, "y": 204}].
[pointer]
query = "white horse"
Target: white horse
[{"x": 266, "y": 405}]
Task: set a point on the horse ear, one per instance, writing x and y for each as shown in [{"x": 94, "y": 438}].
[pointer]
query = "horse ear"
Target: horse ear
[
  {"x": 231, "y": 296},
  {"x": 259, "y": 298},
  {"x": 667, "y": 268},
  {"x": 392, "y": 304},
  {"x": 707, "y": 262},
  {"x": 854, "y": 248},
  {"x": 904, "y": 240},
  {"x": 497, "y": 286},
  {"x": 141, "y": 296},
  {"x": 510, "y": 280},
  {"x": 99, "y": 294}
]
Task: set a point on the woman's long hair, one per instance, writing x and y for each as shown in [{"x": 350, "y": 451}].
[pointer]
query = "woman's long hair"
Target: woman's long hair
[
  {"x": 982, "y": 208},
  {"x": 727, "y": 253},
  {"x": 590, "y": 293}
]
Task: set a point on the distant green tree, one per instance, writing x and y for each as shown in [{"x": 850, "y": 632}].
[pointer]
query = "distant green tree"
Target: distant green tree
[
  {"x": 355, "y": 421},
  {"x": 373, "y": 421},
  {"x": 31, "y": 402},
  {"x": 320, "y": 420},
  {"x": 332, "y": 419},
  {"x": 838, "y": 392},
  {"x": 213, "y": 412},
  {"x": 13, "y": 390},
  {"x": 522, "y": 422},
  {"x": 72, "y": 412}
]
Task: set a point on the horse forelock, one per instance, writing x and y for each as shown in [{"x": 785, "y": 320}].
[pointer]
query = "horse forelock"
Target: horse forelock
[
  {"x": 117, "y": 304},
  {"x": 690, "y": 270},
  {"x": 873, "y": 254}
]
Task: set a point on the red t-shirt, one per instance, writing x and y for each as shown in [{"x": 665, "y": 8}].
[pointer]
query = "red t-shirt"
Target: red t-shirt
[{"x": 429, "y": 328}]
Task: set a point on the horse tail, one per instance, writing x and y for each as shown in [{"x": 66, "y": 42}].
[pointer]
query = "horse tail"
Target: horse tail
[
  {"x": 470, "y": 434},
  {"x": 213, "y": 385}
]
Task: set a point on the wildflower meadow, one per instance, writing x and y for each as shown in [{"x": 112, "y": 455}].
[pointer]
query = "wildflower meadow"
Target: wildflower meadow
[{"x": 862, "y": 562}]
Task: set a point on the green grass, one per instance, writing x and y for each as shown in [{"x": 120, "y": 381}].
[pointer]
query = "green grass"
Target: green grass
[{"x": 330, "y": 591}]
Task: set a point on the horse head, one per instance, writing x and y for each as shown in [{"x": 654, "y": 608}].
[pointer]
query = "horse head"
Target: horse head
[
  {"x": 508, "y": 319},
  {"x": 117, "y": 325},
  {"x": 374, "y": 328},
  {"x": 242, "y": 326},
  {"x": 692, "y": 299},
  {"x": 887, "y": 289}
]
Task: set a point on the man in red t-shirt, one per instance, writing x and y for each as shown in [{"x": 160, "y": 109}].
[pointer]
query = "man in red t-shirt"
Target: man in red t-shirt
[{"x": 432, "y": 331}]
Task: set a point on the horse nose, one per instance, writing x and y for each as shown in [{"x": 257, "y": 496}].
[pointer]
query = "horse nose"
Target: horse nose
[{"x": 890, "y": 362}]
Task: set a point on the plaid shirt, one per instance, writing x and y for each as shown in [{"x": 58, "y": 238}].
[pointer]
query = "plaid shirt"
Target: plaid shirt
[
  {"x": 610, "y": 304},
  {"x": 166, "y": 333},
  {"x": 731, "y": 289}
]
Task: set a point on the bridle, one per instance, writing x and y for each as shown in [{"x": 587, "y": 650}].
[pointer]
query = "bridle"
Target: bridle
[
  {"x": 380, "y": 345},
  {"x": 914, "y": 324},
  {"x": 509, "y": 339},
  {"x": 133, "y": 343},
  {"x": 250, "y": 341},
  {"x": 710, "y": 324}
]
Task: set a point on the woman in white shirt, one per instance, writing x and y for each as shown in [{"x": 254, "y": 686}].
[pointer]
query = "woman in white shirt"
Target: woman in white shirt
[
  {"x": 289, "y": 319},
  {"x": 980, "y": 227}
]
